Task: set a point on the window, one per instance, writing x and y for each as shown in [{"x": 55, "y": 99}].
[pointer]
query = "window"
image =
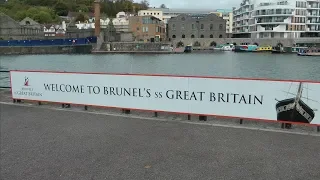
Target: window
[
  {"x": 173, "y": 36},
  {"x": 192, "y": 36},
  {"x": 202, "y": 36},
  {"x": 211, "y": 26},
  {"x": 183, "y": 36},
  {"x": 138, "y": 28},
  {"x": 145, "y": 29},
  {"x": 173, "y": 27},
  {"x": 202, "y": 26},
  {"x": 211, "y": 36},
  {"x": 220, "y": 26},
  {"x": 193, "y": 26},
  {"x": 220, "y": 36}
]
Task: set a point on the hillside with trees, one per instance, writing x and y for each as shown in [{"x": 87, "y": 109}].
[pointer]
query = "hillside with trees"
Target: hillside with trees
[{"x": 48, "y": 11}]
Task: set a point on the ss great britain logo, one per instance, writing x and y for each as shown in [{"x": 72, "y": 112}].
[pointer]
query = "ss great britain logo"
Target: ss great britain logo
[
  {"x": 27, "y": 90},
  {"x": 26, "y": 81},
  {"x": 295, "y": 109}
]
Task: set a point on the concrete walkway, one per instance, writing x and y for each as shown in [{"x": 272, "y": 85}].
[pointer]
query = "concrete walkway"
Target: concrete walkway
[{"x": 39, "y": 143}]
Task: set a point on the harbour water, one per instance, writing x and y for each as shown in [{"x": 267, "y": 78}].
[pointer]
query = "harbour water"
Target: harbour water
[{"x": 227, "y": 64}]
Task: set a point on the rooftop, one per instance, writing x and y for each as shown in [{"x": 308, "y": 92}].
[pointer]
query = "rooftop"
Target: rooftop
[{"x": 191, "y": 11}]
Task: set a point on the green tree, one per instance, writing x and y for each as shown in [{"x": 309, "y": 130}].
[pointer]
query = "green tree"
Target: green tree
[
  {"x": 43, "y": 17},
  {"x": 61, "y": 8},
  {"x": 163, "y": 6},
  {"x": 81, "y": 17}
]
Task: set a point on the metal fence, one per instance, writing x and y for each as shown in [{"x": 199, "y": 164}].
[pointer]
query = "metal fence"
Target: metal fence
[
  {"x": 4, "y": 79},
  {"x": 49, "y": 42}
]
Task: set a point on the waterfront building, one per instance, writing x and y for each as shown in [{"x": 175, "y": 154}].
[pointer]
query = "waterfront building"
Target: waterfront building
[
  {"x": 277, "y": 19},
  {"x": 196, "y": 26},
  {"x": 120, "y": 23},
  {"x": 13, "y": 30},
  {"x": 147, "y": 28},
  {"x": 227, "y": 15},
  {"x": 165, "y": 14}
]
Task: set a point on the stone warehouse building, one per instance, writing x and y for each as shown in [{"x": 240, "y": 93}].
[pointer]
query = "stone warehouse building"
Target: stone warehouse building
[
  {"x": 11, "y": 29},
  {"x": 196, "y": 26}
]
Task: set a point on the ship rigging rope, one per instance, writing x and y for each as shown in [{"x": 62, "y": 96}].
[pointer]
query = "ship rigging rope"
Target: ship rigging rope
[
  {"x": 289, "y": 90},
  {"x": 307, "y": 93}
]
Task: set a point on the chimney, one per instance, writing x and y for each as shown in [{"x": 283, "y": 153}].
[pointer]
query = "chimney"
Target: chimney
[{"x": 97, "y": 17}]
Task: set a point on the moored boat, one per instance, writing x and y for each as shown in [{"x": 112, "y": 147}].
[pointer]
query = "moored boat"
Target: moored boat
[
  {"x": 188, "y": 49},
  {"x": 228, "y": 47},
  {"x": 309, "y": 52},
  {"x": 264, "y": 49},
  {"x": 245, "y": 48}
]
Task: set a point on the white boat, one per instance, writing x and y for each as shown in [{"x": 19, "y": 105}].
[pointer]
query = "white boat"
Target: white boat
[
  {"x": 228, "y": 47},
  {"x": 225, "y": 47}
]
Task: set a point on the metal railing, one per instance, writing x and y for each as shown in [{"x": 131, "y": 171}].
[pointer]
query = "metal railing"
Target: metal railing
[{"x": 2, "y": 78}]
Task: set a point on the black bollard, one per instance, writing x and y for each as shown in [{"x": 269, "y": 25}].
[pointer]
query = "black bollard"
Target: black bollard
[
  {"x": 39, "y": 103},
  {"x": 288, "y": 125},
  {"x": 189, "y": 117},
  {"x": 62, "y": 105},
  {"x": 18, "y": 101},
  {"x": 127, "y": 111},
  {"x": 85, "y": 107},
  {"x": 155, "y": 114},
  {"x": 318, "y": 128},
  {"x": 241, "y": 121},
  {"x": 282, "y": 125},
  {"x": 203, "y": 118}
]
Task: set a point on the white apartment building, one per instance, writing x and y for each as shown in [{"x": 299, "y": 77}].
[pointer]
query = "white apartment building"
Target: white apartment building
[
  {"x": 165, "y": 14},
  {"x": 277, "y": 19}
]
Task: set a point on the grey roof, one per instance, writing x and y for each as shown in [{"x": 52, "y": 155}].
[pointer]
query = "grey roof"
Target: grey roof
[
  {"x": 190, "y": 11},
  {"x": 186, "y": 11}
]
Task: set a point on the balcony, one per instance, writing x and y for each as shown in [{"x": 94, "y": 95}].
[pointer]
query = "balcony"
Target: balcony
[
  {"x": 313, "y": 15},
  {"x": 312, "y": 29},
  {"x": 313, "y": 22},
  {"x": 313, "y": 7}
]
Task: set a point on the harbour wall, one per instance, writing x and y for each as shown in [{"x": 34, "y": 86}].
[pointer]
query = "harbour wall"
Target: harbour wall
[
  {"x": 60, "y": 49},
  {"x": 135, "y": 46},
  {"x": 206, "y": 42}
]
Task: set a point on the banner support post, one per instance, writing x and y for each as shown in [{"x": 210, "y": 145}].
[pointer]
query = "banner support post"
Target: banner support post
[
  {"x": 189, "y": 117},
  {"x": 155, "y": 114},
  {"x": 85, "y": 108},
  {"x": 126, "y": 111},
  {"x": 203, "y": 118},
  {"x": 318, "y": 128},
  {"x": 241, "y": 121}
]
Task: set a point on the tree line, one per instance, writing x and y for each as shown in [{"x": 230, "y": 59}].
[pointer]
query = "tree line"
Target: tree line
[{"x": 48, "y": 11}]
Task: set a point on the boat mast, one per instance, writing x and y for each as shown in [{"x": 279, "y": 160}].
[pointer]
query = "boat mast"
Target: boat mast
[
  {"x": 297, "y": 99},
  {"x": 299, "y": 94}
]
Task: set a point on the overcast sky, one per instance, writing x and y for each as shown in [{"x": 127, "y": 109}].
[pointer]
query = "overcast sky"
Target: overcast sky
[{"x": 196, "y": 4}]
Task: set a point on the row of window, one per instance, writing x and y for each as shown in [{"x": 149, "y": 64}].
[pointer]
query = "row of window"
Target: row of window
[
  {"x": 146, "y": 29},
  {"x": 151, "y": 13},
  {"x": 192, "y": 36},
  {"x": 148, "y": 20},
  {"x": 301, "y": 4},
  {"x": 301, "y": 12},
  {"x": 273, "y": 11},
  {"x": 194, "y": 26}
]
